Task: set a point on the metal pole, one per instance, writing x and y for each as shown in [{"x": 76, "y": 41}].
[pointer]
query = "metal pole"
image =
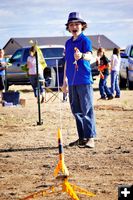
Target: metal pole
[
  {"x": 6, "y": 79},
  {"x": 58, "y": 79},
  {"x": 39, "y": 122}
]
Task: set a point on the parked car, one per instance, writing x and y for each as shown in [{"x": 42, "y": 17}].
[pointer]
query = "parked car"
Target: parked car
[
  {"x": 54, "y": 56},
  {"x": 126, "y": 68}
]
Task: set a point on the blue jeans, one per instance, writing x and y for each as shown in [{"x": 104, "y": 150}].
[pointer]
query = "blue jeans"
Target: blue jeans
[
  {"x": 115, "y": 83},
  {"x": 103, "y": 88},
  {"x": 33, "y": 81},
  {"x": 81, "y": 102}
]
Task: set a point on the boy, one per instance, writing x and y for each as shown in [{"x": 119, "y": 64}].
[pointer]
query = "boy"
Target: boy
[{"x": 78, "y": 77}]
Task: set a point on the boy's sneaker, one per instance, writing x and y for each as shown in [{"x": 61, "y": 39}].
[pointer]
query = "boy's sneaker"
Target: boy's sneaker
[
  {"x": 75, "y": 143},
  {"x": 83, "y": 142},
  {"x": 90, "y": 143},
  {"x": 79, "y": 142}
]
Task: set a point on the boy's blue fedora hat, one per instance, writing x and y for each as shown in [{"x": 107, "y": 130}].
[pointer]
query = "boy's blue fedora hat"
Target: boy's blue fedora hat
[{"x": 75, "y": 17}]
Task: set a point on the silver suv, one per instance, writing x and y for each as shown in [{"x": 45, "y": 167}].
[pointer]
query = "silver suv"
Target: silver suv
[
  {"x": 126, "y": 68},
  {"x": 53, "y": 54}
]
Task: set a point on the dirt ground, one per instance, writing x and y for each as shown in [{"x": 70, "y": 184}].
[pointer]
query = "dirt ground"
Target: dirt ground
[{"x": 29, "y": 153}]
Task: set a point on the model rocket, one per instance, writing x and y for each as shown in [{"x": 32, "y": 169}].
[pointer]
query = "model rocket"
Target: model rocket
[{"x": 61, "y": 164}]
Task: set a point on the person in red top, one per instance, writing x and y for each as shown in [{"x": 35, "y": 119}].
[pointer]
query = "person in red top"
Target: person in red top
[{"x": 103, "y": 66}]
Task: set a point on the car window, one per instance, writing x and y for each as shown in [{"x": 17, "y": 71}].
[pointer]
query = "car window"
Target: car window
[
  {"x": 127, "y": 50},
  {"x": 47, "y": 53},
  {"x": 131, "y": 52},
  {"x": 52, "y": 52},
  {"x": 26, "y": 54},
  {"x": 18, "y": 54}
]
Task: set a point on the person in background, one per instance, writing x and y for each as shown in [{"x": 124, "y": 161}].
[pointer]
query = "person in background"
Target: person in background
[
  {"x": 78, "y": 79},
  {"x": 2, "y": 72},
  {"x": 103, "y": 67},
  {"x": 31, "y": 65},
  {"x": 115, "y": 68}
]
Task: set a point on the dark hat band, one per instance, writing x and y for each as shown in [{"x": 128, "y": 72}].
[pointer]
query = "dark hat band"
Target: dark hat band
[
  {"x": 72, "y": 19},
  {"x": 75, "y": 20}
]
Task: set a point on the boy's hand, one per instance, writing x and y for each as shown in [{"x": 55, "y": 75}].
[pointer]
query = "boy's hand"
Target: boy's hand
[
  {"x": 64, "y": 89},
  {"x": 77, "y": 54}
]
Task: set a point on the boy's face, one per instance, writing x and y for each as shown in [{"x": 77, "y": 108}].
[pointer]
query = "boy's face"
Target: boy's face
[{"x": 75, "y": 28}]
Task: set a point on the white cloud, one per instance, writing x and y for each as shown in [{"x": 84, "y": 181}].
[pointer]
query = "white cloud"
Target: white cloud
[
  {"x": 6, "y": 13},
  {"x": 113, "y": 21},
  {"x": 48, "y": 17}
]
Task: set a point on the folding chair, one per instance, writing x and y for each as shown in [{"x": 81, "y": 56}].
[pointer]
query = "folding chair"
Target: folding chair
[
  {"x": 55, "y": 91},
  {"x": 55, "y": 94}
]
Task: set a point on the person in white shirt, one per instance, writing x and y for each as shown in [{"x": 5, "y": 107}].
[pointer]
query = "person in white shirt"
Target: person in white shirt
[
  {"x": 31, "y": 65},
  {"x": 115, "y": 68}
]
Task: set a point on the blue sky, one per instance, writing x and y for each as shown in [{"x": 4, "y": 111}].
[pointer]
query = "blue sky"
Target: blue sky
[{"x": 38, "y": 18}]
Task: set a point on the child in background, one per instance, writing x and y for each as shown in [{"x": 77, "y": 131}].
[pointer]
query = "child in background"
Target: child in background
[
  {"x": 103, "y": 66},
  {"x": 31, "y": 65},
  {"x": 115, "y": 68}
]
